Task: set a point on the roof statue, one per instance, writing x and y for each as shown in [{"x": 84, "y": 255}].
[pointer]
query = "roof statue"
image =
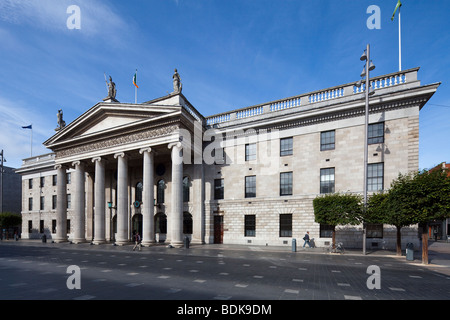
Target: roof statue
[
  {"x": 112, "y": 91},
  {"x": 177, "y": 86},
  {"x": 61, "y": 122}
]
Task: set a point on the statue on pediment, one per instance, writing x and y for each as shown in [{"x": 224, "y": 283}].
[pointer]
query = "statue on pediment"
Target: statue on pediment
[
  {"x": 177, "y": 86},
  {"x": 61, "y": 122},
  {"x": 111, "y": 89}
]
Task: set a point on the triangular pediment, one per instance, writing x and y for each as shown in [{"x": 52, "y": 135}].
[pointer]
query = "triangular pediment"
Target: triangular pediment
[{"x": 107, "y": 118}]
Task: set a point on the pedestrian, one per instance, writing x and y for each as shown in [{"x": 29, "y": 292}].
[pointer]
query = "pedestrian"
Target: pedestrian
[
  {"x": 306, "y": 238},
  {"x": 137, "y": 241}
]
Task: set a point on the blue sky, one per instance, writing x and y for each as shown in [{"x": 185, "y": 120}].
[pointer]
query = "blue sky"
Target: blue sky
[{"x": 229, "y": 53}]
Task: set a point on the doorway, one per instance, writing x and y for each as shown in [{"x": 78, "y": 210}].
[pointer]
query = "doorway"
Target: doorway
[{"x": 218, "y": 229}]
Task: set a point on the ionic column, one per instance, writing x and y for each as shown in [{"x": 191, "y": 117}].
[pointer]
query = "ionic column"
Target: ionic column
[
  {"x": 148, "y": 229},
  {"x": 61, "y": 204},
  {"x": 99, "y": 201},
  {"x": 122, "y": 198},
  {"x": 176, "y": 215},
  {"x": 78, "y": 203}
]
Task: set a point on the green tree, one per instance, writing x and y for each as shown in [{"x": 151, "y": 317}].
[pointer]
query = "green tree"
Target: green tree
[
  {"x": 337, "y": 209},
  {"x": 8, "y": 220}
]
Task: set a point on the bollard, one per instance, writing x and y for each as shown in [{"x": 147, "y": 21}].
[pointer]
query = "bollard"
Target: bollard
[{"x": 294, "y": 245}]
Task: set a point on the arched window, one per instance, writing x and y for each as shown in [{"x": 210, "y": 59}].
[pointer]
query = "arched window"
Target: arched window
[
  {"x": 138, "y": 194},
  {"x": 186, "y": 189},
  {"x": 187, "y": 223},
  {"x": 160, "y": 191}
]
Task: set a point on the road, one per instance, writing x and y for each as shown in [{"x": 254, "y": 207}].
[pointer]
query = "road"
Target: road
[{"x": 36, "y": 271}]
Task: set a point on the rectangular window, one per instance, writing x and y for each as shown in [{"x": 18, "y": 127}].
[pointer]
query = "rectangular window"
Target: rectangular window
[
  {"x": 69, "y": 178},
  {"x": 41, "y": 226},
  {"x": 218, "y": 189},
  {"x": 68, "y": 225},
  {"x": 42, "y": 204},
  {"x": 250, "y": 225},
  {"x": 42, "y": 182},
  {"x": 53, "y": 226},
  {"x": 285, "y": 225},
  {"x": 326, "y": 231},
  {"x": 30, "y": 226},
  {"x": 250, "y": 152},
  {"x": 375, "y": 176},
  {"x": 250, "y": 186},
  {"x": 30, "y": 204},
  {"x": 285, "y": 183},
  {"x": 30, "y": 183},
  {"x": 327, "y": 140},
  {"x": 54, "y": 201},
  {"x": 69, "y": 201},
  {"x": 327, "y": 180},
  {"x": 286, "y": 147},
  {"x": 54, "y": 180},
  {"x": 374, "y": 230},
  {"x": 376, "y": 133}
]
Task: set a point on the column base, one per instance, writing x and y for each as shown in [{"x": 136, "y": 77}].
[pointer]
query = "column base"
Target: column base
[
  {"x": 148, "y": 243},
  {"x": 122, "y": 242},
  {"x": 177, "y": 244},
  {"x": 61, "y": 240},
  {"x": 77, "y": 241},
  {"x": 97, "y": 242}
]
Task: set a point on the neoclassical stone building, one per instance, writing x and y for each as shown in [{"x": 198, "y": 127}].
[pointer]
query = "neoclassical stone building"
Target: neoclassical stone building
[{"x": 245, "y": 176}]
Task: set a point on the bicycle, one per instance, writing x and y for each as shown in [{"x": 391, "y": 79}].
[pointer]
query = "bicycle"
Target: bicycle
[{"x": 339, "y": 248}]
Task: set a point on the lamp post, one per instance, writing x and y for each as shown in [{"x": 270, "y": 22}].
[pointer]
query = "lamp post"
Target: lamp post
[
  {"x": 369, "y": 66},
  {"x": 2, "y": 160}
]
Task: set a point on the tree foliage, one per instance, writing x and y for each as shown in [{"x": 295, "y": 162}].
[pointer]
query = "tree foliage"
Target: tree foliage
[
  {"x": 8, "y": 219},
  {"x": 338, "y": 209}
]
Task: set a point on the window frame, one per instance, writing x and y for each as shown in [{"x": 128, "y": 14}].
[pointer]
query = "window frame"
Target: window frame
[
  {"x": 373, "y": 133},
  {"x": 285, "y": 225},
  {"x": 250, "y": 151},
  {"x": 250, "y": 185},
  {"x": 326, "y": 184},
  {"x": 286, "y": 183},
  {"x": 289, "y": 150},
  {"x": 325, "y": 141},
  {"x": 219, "y": 190},
  {"x": 370, "y": 178},
  {"x": 250, "y": 225}
]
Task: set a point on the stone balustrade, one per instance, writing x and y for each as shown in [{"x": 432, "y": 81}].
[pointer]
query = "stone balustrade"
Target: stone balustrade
[{"x": 380, "y": 82}]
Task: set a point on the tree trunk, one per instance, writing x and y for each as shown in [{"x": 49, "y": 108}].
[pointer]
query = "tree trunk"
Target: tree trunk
[
  {"x": 333, "y": 238},
  {"x": 399, "y": 241},
  {"x": 425, "y": 244}
]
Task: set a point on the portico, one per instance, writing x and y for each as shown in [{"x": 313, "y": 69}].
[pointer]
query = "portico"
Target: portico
[{"x": 120, "y": 155}]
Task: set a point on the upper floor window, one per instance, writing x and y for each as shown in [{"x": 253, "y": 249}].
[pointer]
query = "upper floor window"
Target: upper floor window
[
  {"x": 250, "y": 151},
  {"x": 186, "y": 189},
  {"x": 30, "y": 183},
  {"x": 218, "y": 189},
  {"x": 327, "y": 140},
  {"x": 375, "y": 176},
  {"x": 285, "y": 183},
  {"x": 250, "y": 186},
  {"x": 286, "y": 147},
  {"x": 376, "y": 133},
  {"x": 327, "y": 180},
  {"x": 160, "y": 188},
  {"x": 138, "y": 194}
]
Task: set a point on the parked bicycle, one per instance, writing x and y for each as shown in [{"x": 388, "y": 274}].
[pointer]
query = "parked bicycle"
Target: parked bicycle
[{"x": 339, "y": 248}]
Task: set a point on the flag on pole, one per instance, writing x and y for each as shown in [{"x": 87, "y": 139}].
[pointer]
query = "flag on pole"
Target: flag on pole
[
  {"x": 135, "y": 79},
  {"x": 27, "y": 127},
  {"x": 397, "y": 7}
]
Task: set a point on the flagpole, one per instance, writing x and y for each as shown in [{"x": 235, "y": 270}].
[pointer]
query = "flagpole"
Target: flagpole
[
  {"x": 399, "y": 41},
  {"x": 31, "y": 141}
]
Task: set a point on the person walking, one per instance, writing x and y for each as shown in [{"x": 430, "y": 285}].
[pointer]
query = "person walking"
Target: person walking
[
  {"x": 137, "y": 241},
  {"x": 306, "y": 238}
]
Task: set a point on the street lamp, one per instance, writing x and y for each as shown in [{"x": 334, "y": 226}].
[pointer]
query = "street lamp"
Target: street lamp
[
  {"x": 369, "y": 66},
  {"x": 2, "y": 160}
]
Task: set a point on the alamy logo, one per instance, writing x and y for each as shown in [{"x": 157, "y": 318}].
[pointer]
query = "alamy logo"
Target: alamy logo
[
  {"x": 74, "y": 280},
  {"x": 374, "y": 21},
  {"x": 74, "y": 20}
]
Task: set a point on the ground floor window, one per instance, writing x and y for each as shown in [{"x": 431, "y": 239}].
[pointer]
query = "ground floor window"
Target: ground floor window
[
  {"x": 374, "y": 230},
  {"x": 250, "y": 225},
  {"x": 326, "y": 231},
  {"x": 285, "y": 225}
]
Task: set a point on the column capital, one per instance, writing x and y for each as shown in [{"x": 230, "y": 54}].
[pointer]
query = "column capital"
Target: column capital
[
  {"x": 120, "y": 154},
  {"x": 146, "y": 149},
  {"x": 60, "y": 166},
  {"x": 77, "y": 163},
  {"x": 174, "y": 144},
  {"x": 99, "y": 159}
]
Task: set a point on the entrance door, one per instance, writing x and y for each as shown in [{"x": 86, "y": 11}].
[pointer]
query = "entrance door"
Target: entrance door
[{"x": 218, "y": 229}]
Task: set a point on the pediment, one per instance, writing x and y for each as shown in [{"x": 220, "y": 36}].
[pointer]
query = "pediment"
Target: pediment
[{"x": 108, "y": 118}]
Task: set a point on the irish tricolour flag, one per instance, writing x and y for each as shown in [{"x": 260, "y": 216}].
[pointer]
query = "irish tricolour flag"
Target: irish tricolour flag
[{"x": 135, "y": 79}]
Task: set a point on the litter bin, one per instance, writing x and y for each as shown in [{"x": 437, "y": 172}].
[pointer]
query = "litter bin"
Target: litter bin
[
  {"x": 44, "y": 238},
  {"x": 294, "y": 245},
  {"x": 186, "y": 242},
  {"x": 410, "y": 251}
]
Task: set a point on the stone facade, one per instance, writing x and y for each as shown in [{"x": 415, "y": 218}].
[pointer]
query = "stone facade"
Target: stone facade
[{"x": 247, "y": 176}]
